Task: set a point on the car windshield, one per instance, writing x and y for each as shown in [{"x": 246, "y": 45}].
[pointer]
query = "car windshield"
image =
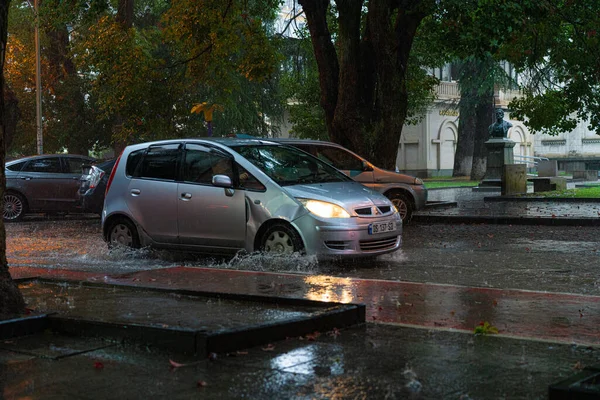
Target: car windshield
[{"x": 290, "y": 166}]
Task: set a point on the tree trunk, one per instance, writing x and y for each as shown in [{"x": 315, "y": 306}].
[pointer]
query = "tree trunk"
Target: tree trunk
[
  {"x": 11, "y": 300},
  {"x": 12, "y": 115},
  {"x": 363, "y": 81},
  {"x": 484, "y": 117},
  {"x": 463, "y": 157},
  {"x": 469, "y": 86}
]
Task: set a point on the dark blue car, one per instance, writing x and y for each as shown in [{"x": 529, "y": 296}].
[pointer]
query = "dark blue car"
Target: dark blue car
[{"x": 93, "y": 186}]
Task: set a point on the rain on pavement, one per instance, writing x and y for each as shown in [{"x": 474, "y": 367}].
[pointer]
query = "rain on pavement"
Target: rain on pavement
[{"x": 542, "y": 258}]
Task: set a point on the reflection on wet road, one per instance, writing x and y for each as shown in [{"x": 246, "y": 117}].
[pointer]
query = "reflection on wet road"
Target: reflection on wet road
[{"x": 557, "y": 259}]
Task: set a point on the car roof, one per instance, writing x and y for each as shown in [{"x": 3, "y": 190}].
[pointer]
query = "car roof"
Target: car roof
[
  {"x": 306, "y": 141},
  {"x": 226, "y": 141},
  {"x": 46, "y": 156}
]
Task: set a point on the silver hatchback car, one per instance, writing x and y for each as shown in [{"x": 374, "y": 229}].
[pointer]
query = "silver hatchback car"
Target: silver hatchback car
[{"x": 225, "y": 195}]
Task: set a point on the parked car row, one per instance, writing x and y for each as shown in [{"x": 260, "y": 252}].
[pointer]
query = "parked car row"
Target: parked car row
[{"x": 227, "y": 195}]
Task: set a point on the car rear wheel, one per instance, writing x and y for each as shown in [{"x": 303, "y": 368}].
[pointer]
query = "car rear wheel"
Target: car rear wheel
[
  {"x": 281, "y": 238},
  {"x": 14, "y": 207},
  {"x": 122, "y": 232},
  {"x": 403, "y": 204}
]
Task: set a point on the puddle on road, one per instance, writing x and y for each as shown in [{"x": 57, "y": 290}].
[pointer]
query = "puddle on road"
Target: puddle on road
[
  {"x": 557, "y": 245},
  {"x": 122, "y": 305}
]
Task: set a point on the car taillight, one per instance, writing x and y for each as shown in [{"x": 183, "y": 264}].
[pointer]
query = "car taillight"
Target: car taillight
[
  {"x": 96, "y": 175},
  {"x": 112, "y": 174}
]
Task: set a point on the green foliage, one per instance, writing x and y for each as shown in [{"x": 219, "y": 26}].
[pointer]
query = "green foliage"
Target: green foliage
[
  {"x": 485, "y": 328},
  {"x": 559, "y": 48},
  {"x": 300, "y": 83},
  {"x": 436, "y": 183},
  {"x": 139, "y": 83},
  {"x": 580, "y": 193}
]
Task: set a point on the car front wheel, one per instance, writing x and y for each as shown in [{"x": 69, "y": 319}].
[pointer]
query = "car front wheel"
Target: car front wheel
[
  {"x": 403, "y": 204},
  {"x": 281, "y": 238},
  {"x": 14, "y": 207},
  {"x": 122, "y": 232}
]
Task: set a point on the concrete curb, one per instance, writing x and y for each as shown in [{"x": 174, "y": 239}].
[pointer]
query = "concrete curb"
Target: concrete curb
[
  {"x": 459, "y": 219},
  {"x": 325, "y": 317},
  {"x": 542, "y": 199}
]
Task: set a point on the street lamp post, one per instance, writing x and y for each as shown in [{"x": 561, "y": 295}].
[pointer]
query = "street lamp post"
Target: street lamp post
[{"x": 38, "y": 81}]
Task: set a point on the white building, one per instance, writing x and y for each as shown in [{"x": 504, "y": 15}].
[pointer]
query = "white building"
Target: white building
[{"x": 427, "y": 149}]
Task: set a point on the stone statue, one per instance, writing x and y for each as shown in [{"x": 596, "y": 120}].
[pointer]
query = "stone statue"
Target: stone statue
[{"x": 499, "y": 129}]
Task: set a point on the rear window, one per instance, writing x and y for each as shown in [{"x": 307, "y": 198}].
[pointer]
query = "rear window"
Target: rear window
[
  {"x": 74, "y": 165},
  {"x": 107, "y": 166}
]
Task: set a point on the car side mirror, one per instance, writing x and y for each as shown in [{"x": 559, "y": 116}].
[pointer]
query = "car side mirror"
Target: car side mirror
[
  {"x": 367, "y": 166},
  {"x": 222, "y": 181},
  {"x": 86, "y": 169}
]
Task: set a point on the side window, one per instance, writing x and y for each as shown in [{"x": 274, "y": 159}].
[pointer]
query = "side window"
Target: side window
[
  {"x": 48, "y": 165},
  {"x": 133, "y": 161},
  {"x": 248, "y": 181},
  {"x": 159, "y": 162},
  {"x": 74, "y": 164},
  {"x": 16, "y": 167},
  {"x": 340, "y": 159},
  {"x": 307, "y": 148},
  {"x": 201, "y": 164}
]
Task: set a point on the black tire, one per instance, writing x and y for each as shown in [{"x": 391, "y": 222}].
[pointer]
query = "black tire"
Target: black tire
[
  {"x": 281, "y": 238},
  {"x": 14, "y": 207},
  {"x": 122, "y": 232},
  {"x": 403, "y": 204}
]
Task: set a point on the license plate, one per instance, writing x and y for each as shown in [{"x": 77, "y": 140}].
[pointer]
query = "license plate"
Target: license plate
[{"x": 382, "y": 227}]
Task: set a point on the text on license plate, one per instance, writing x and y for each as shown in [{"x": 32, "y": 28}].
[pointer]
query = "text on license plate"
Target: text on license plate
[{"x": 382, "y": 227}]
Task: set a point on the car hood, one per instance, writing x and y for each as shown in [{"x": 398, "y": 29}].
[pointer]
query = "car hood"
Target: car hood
[
  {"x": 385, "y": 176},
  {"x": 349, "y": 195}
]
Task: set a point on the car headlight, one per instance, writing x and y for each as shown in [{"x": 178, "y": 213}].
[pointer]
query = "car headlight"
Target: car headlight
[
  {"x": 323, "y": 209},
  {"x": 418, "y": 181}
]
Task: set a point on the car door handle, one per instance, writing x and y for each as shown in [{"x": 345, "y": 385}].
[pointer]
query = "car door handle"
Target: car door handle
[
  {"x": 186, "y": 196},
  {"x": 26, "y": 178},
  {"x": 136, "y": 192}
]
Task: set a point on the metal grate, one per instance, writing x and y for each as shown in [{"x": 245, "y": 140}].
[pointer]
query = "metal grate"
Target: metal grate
[
  {"x": 375, "y": 210},
  {"x": 337, "y": 244},
  {"x": 378, "y": 244}
]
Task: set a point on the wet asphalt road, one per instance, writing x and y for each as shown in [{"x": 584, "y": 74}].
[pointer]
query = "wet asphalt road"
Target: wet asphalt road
[{"x": 543, "y": 258}]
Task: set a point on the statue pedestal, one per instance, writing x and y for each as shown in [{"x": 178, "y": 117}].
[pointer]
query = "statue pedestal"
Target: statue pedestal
[{"x": 500, "y": 153}]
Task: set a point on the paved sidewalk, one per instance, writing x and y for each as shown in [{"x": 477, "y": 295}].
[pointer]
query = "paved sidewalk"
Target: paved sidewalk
[{"x": 489, "y": 207}]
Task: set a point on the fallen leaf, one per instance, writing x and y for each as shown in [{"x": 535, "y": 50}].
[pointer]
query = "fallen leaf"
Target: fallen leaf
[
  {"x": 201, "y": 384},
  {"x": 334, "y": 333},
  {"x": 176, "y": 364},
  {"x": 452, "y": 312},
  {"x": 578, "y": 365},
  {"x": 269, "y": 347},
  {"x": 98, "y": 365},
  {"x": 312, "y": 336}
]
